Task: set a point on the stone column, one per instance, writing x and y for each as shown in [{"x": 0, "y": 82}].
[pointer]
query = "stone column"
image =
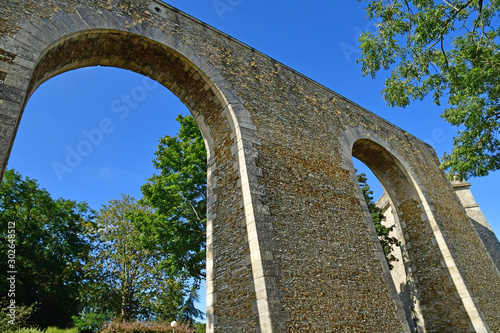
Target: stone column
[{"x": 478, "y": 220}]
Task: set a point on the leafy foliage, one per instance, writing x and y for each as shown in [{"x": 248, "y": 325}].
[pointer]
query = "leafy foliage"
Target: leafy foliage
[
  {"x": 448, "y": 49},
  {"x": 60, "y": 330},
  {"x": 189, "y": 311},
  {"x": 122, "y": 277},
  {"x": 200, "y": 327},
  {"x": 91, "y": 321},
  {"x": 21, "y": 313},
  {"x": 50, "y": 248},
  {"x": 169, "y": 300},
  {"x": 378, "y": 218},
  {"x": 178, "y": 196}
]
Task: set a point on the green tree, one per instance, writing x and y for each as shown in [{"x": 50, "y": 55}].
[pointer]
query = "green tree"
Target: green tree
[
  {"x": 90, "y": 321},
  {"x": 448, "y": 49},
  {"x": 189, "y": 311},
  {"x": 123, "y": 277},
  {"x": 387, "y": 241},
  {"x": 178, "y": 196},
  {"x": 118, "y": 268},
  {"x": 168, "y": 303},
  {"x": 50, "y": 248}
]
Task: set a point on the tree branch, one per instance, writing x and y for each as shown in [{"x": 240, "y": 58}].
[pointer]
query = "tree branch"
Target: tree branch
[
  {"x": 451, "y": 5},
  {"x": 495, "y": 116},
  {"x": 458, "y": 11},
  {"x": 194, "y": 210},
  {"x": 409, "y": 22},
  {"x": 444, "y": 27}
]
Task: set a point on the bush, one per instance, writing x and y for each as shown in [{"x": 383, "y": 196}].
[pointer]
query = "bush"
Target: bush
[
  {"x": 90, "y": 322},
  {"x": 200, "y": 327},
  {"x": 143, "y": 327}
]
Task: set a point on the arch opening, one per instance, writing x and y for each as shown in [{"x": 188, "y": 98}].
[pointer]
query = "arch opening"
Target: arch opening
[
  {"x": 120, "y": 165},
  {"x": 113, "y": 48},
  {"x": 421, "y": 282}
]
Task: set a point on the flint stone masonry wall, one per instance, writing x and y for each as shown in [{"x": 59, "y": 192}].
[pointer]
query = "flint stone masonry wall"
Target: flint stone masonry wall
[
  {"x": 290, "y": 245},
  {"x": 483, "y": 228}
]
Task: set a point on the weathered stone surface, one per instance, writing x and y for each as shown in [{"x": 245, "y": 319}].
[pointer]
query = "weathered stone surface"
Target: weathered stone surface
[{"x": 290, "y": 246}]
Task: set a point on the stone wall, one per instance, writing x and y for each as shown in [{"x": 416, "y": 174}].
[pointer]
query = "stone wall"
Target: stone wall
[
  {"x": 483, "y": 228},
  {"x": 290, "y": 246}
]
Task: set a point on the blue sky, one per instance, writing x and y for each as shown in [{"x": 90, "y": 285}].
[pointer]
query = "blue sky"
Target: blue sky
[{"x": 318, "y": 39}]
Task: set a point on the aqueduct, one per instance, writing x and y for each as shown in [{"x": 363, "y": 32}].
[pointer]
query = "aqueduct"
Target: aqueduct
[{"x": 290, "y": 245}]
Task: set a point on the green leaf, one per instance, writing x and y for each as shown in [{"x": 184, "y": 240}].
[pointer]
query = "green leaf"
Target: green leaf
[{"x": 448, "y": 50}]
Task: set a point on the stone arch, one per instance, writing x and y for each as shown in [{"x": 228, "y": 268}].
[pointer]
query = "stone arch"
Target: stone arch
[
  {"x": 50, "y": 46},
  {"x": 429, "y": 299}
]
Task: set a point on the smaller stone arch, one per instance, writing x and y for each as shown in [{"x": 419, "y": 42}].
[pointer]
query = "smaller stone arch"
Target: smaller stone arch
[{"x": 435, "y": 292}]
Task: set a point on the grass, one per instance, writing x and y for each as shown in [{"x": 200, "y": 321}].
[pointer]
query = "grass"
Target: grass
[{"x": 47, "y": 330}]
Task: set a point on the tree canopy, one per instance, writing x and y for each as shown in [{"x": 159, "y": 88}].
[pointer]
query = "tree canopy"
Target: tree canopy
[
  {"x": 448, "y": 49},
  {"x": 50, "y": 248},
  {"x": 178, "y": 196},
  {"x": 122, "y": 277}
]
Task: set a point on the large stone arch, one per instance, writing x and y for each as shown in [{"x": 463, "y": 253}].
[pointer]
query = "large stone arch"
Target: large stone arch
[
  {"x": 289, "y": 246},
  {"x": 103, "y": 39}
]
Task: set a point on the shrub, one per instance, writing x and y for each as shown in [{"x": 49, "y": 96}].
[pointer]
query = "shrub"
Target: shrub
[
  {"x": 200, "y": 327},
  {"x": 90, "y": 321},
  {"x": 143, "y": 327}
]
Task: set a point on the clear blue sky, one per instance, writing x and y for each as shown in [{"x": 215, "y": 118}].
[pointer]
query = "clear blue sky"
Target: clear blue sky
[{"x": 318, "y": 39}]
